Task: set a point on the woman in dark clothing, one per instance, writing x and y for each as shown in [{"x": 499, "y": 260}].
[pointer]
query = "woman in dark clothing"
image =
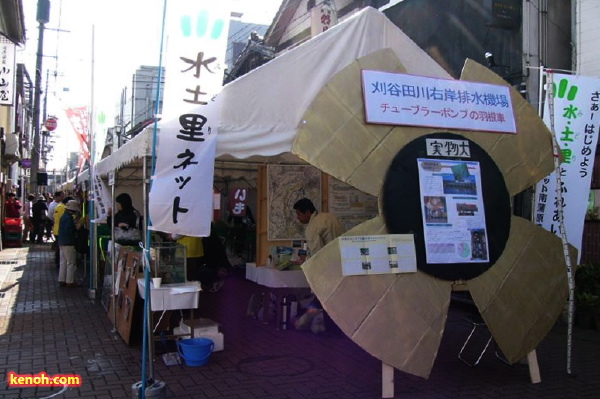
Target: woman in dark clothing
[{"x": 127, "y": 221}]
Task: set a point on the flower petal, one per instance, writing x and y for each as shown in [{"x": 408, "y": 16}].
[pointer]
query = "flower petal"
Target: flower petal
[
  {"x": 523, "y": 294},
  {"x": 398, "y": 318}
]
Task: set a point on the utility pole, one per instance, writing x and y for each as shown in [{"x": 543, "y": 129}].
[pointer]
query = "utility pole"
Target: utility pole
[{"x": 43, "y": 16}]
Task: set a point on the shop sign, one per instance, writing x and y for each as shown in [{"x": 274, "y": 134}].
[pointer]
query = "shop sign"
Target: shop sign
[
  {"x": 411, "y": 100},
  {"x": 51, "y": 124},
  {"x": 26, "y": 163},
  {"x": 7, "y": 71}
]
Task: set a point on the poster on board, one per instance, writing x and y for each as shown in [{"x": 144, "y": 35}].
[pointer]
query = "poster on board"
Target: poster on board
[
  {"x": 378, "y": 254},
  {"x": 286, "y": 184},
  {"x": 350, "y": 205},
  {"x": 453, "y": 211}
]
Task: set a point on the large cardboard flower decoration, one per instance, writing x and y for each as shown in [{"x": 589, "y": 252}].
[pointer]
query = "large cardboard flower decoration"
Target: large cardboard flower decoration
[{"x": 400, "y": 318}]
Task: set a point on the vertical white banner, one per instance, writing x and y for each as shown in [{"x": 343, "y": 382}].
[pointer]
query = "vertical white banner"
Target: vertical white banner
[
  {"x": 576, "y": 124},
  {"x": 102, "y": 198},
  {"x": 180, "y": 199},
  {"x": 7, "y": 71}
]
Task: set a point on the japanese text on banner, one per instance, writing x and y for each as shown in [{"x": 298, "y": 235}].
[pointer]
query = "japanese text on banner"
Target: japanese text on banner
[
  {"x": 181, "y": 198},
  {"x": 576, "y": 120},
  {"x": 400, "y": 99}
]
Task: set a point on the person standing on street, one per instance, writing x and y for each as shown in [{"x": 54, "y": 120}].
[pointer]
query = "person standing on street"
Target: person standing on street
[
  {"x": 69, "y": 223},
  {"x": 59, "y": 210},
  {"x": 27, "y": 223},
  {"x": 58, "y": 197},
  {"x": 12, "y": 206},
  {"x": 39, "y": 212}
]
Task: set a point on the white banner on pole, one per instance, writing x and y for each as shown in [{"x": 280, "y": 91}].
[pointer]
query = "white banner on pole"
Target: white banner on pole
[
  {"x": 576, "y": 122},
  {"x": 401, "y": 99},
  {"x": 181, "y": 199},
  {"x": 102, "y": 198}
]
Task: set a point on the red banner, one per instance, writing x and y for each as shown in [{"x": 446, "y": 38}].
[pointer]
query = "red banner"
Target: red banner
[
  {"x": 237, "y": 201},
  {"x": 79, "y": 118}
]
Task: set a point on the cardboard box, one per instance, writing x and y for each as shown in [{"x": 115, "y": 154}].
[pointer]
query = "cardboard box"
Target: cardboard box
[{"x": 202, "y": 327}]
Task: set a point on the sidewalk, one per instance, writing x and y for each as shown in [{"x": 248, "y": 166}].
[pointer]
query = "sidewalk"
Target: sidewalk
[{"x": 44, "y": 328}]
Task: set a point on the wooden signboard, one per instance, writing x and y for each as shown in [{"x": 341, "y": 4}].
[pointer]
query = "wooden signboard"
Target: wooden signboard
[{"x": 129, "y": 263}]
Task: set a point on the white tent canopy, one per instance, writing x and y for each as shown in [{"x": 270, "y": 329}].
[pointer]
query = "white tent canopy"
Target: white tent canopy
[{"x": 263, "y": 109}]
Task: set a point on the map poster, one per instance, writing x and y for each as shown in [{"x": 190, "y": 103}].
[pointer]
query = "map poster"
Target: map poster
[
  {"x": 286, "y": 184},
  {"x": 378, "y": 254},
  {"x": 452, "y": 210},
  {"x": 349, "y": 204}
]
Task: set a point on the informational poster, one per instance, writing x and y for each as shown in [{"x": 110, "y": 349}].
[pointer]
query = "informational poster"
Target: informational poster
[
  {"x": 576, "y": 119},
  {"x": 286, "y": 185},
  {"x": 453, "y": 211},
  {"x": 402, "y": 99},
  {"x": 378, "y": 254},
  {"x": 350, "y": 205}
]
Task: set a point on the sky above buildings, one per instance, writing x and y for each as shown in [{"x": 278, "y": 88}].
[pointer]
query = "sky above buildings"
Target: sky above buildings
[{"x": 116, "y": 37}]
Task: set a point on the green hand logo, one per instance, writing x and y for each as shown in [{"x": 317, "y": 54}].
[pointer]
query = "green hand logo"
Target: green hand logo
[
  {"x": 563, "y": 85},
  {"x": 101, "y": 118},
  {"x": 202, "y": 26}
]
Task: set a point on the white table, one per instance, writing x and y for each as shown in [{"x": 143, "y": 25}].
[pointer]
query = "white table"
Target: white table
[
  {"x": 274, "y": 278},
  {"x": 279, "y": 282},
  {"x": 171, "y": 296}
]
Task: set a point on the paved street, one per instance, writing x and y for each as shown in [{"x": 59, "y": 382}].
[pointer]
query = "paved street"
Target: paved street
[{"x": 44, "y": 328}]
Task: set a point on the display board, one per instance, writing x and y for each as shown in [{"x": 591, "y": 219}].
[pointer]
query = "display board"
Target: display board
[
  {"x": 107, "y": 284},
  {"x": 128, "y": 294},
  {"x": 455, "y": 202},
  {"x": 349, "y": 204},
  {"x": 129, "y": 263},
  {"x": 286, "y": 184},
  {"x": 168, "y": 261},
  {"x": 453, "y": 211},
  {"x": 378, "y": 254}
]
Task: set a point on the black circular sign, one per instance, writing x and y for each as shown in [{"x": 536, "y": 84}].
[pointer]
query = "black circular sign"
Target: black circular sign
[{"x": 449, "y": 206}]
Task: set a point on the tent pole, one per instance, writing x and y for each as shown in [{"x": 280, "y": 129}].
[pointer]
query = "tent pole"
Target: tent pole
[
  {"x": 113, "y": 258},
  {"x": 146, "y": 275},
  {"x": 148, "y": 331},
  {"x": 91, "y": 200}
]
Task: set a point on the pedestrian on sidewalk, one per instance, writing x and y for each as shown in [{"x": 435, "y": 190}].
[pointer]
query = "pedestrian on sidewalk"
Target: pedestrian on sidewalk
[
  {"x": 39, "y": 211},
  {"x": 69, "y": 223},
  {"x": 57, "y": 199},
  {"x": 28, "y": 232},
  {"x": 12, "y": 206},
  {"x": 59, "y": 210}
]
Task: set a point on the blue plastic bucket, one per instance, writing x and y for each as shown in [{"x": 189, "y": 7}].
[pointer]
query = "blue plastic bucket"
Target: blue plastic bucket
[{"x": 195, "y": 351}]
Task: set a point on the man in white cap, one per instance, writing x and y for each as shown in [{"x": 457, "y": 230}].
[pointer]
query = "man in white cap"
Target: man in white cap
[{"x": 69, "y": 223}]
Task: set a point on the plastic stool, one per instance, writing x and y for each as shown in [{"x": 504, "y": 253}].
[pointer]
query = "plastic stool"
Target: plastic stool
[{"x": 480, "y": 326}]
